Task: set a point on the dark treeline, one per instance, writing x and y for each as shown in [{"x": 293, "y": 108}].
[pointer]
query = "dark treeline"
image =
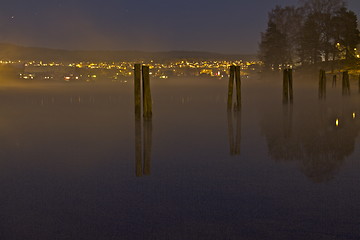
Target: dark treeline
[
  {"x": 15, "y": 53},
  {"x": 315, "y": 31}
]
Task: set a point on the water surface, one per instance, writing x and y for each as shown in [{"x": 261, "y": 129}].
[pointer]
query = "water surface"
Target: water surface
[{"x": 76, "y": 165}]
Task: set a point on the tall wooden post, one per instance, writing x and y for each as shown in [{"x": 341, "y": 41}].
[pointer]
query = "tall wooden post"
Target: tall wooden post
[
  {"x": 231, "y": 87},
  {"x": 359, "y": 83},
  {"x": 290, "y": 79},
  {"x": 288, "y": 92},
  {"x": 285, "y": 86},
  {"x": 238, "y": 87},
  {"x": 137, "y": 90},
  {"x": 334, "y": 81},
  {"x": 322, "y": 84},
  {"x": 346, "y": 83},
  {"x": 343, "y": 83},
  {"x": 147, "y": 102}
]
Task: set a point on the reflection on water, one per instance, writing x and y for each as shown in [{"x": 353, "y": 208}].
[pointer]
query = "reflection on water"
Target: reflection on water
[
  {"x": 319, "y": 137},
  {"x": 143, "y": 158},
  {"x": 234, "y": 121},
  {"x": 67, "y": 169}
]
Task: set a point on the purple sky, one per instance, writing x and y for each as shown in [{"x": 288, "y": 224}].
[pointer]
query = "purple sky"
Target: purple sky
[{"x": 227, "y": 26}]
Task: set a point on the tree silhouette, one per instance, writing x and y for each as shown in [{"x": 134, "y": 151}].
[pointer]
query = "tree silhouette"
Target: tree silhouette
[
  {"x": 273, "y": 47},
  {"x": 312, "y": 139},
  {"x": 316, "y": 31}
]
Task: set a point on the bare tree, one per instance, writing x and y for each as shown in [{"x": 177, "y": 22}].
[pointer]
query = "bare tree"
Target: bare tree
[{"x": 323, "y": 6}]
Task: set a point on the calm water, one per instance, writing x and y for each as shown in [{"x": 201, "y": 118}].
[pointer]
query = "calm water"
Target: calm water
[{"x": 74, "y": 163}]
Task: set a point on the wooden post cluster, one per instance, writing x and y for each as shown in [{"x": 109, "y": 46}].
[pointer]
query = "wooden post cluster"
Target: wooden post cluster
[
  {"x": 322, "y": 84},
  {"x": 143, "y": 129},
  {"x": 288, "y": 94},
  {"x": 345, "y": 83},
  {"x": 234, "y": 76}
]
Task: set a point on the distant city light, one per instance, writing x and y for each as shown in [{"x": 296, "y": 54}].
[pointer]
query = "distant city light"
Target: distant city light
[{"x": 89, "y": 71}]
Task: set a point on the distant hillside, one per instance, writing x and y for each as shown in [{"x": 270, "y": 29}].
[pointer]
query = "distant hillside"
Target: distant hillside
[{"x": 14, "y": 52}]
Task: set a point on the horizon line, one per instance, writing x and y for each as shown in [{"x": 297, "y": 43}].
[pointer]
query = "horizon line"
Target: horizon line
[{"x": 132, "y": 50}]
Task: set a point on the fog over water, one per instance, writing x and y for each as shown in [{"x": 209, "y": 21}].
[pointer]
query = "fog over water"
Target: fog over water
[{"x": 69, "y": 166}]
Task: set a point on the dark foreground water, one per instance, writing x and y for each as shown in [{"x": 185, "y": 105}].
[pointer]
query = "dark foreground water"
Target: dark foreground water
[{"x": 74, "y": 163}]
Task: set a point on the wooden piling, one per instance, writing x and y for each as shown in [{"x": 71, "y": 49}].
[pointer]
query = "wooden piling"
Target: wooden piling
[
  {"x": 285, "y": 86},
  {"x": 238, "y": 87},
  {"x": 334, "y": 81},
  {"x": 359, "y": 83},
  {"x": 231, "y": 87},
  {"x": 137, "y": 90},
  {"x": 322, "y": 84},
  {"x": 346, "y": 83},
  {"x": 147, "y": 101},
  {"x": 343, "y": 83},
  {"x": 290, "y": 79}
]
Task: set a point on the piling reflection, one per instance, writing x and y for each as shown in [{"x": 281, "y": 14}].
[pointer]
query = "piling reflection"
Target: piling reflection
[
  {"x": 319, "y": 138},
  {"x": 147, "y": 146},
  {"x": 143, "y": 147},
  {"x": 234, "y": 120},
  {"x": 138, "y": 147}
]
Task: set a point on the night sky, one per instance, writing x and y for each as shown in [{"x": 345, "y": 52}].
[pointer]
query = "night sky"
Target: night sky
[{"x": 227, "y": 26}]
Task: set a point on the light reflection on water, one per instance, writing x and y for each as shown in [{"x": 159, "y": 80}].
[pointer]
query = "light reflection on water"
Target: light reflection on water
[{"x": 76, "y": 164}]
